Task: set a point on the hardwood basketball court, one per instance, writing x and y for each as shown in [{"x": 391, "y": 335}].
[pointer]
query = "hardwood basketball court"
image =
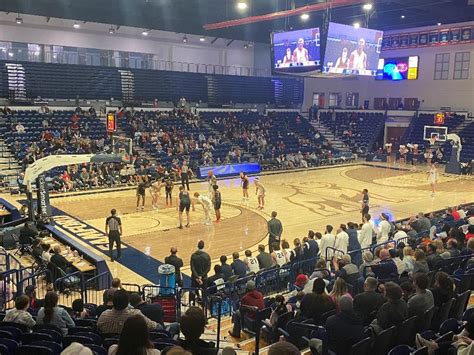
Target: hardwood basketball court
[{"x": 304, "y": 200}]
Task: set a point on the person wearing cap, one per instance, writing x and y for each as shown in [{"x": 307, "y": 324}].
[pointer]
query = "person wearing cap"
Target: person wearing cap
[
  {"x": 301, "y": 281},
  {"x": 253, "y": 298},
  {"x": 384, "y": 229}
]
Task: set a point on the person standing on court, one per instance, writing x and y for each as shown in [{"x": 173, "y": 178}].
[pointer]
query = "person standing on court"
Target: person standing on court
[
  {"x": 200, "y": 266},
  {"x": 275, "y": 229},
  {"x": 113, "y": 228},
  {"x": 185, "y": 174},
  {"x": 365, "y": 203}
]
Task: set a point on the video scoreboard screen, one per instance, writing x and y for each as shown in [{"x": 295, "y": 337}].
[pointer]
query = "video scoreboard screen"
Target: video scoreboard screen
[{"x": 395, "y": 69}]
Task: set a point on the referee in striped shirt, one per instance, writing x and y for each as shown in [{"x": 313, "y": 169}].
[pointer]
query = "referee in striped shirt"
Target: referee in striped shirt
[{"x": 113, "y": 228}]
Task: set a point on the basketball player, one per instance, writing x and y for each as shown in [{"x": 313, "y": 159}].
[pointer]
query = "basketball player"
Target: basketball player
[
  {"x": 155, "y": 193},
  {"x": 365, "y": 203},
  {"x": 433, "y": 178},
  {"x": 260, "y": 192},
  {"x": 206, "y": 204},
  {"x": 217, "y": 200},
  {"x": 169, "y": 191},
  {"x": 300, "y": 54},
  {"x": 141, "y": 188},
  {"x": 185, "y": 171},
  {"x": 183, "y": 202},
  {"x": 212, "y": 181},
  {"x": 244, "y": 180},
  {"x": 251, "y": 262},
  {"x": 358, "y": 58},
  {"x": 278, "y": 256},
  {"x": 343, "y": 61},
  {"x": 429, "y": 156}
]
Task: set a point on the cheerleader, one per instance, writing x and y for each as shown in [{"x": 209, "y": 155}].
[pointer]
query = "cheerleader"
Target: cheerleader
[
  {"x": 433, "y": 178},
  {"x": 403, "y": 154},
  {"x": 388, "y": 149}
]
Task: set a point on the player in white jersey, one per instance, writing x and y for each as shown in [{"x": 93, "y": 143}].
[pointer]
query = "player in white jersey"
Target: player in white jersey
[
  {"x": 433, "y": 178},
  {"x": 206, "y": 204},
  {"x": 155, "y": 193},
  {"x": 260, "y": 192},
  {"x": 251, "y": 262},
  {"x": 300, "y": 54},
  {"x": 278, "y": 256},
  {"x": 358, "y": 58}
]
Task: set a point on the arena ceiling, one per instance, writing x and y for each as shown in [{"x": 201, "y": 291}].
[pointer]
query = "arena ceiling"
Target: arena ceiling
[{"x": 189, "y": 16}]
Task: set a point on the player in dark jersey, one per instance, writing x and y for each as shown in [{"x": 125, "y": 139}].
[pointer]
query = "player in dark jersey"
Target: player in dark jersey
[
  {"x": 365, "y": 203},
  {"x": 245, "y": 186},
  {"x": 217, "y": 201},
  {"x": 183, "y": 202},
  {"x": 141, "y": 188},
  {"x": 169, "y": 190}
]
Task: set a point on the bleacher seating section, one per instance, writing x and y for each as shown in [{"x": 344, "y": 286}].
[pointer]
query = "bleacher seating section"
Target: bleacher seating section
[
  {"x": 366, "y": 127},
  {"x": 61, "y": 81}
]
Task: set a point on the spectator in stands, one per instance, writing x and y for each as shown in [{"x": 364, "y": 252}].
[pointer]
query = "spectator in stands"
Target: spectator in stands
[
  {"x": 420, "y": 223},
  {"x": 354, "y": 245},
  {"x": 253, "y": 298},
  {"x": 452, "y": 249},
  {"x": 365, "y": 236},
  {"x": 20, "y": 314},
  {"x": 434, "y": 258},
  {"x": 470, "y": 232},
  {"x": 283, "y": 348},
  {"x": 217, "y": 279},
  {"x": 52, "y": 314},
  {"x": 368, "y": 260},
  {"x": 443, "y": 288},
  {"x": 393, "y": 312},
  {"x": 225, "y": 268},
  {"x": 316, "y": 303},
  {"x": 78, "y": 310},
  {"x": 420, "y": 264},
  {"x": 264, "y": 258},
  {"x": 108, "y": 302},
  {"x": 177, "y": 262},
  {"x": 399, "y": 232},
  {"x": 408, "y": 259},
  {"x": 297, "y": 254},
  {"x": 401, "y": 266},
  {"x": 30, "y": 291},
  {"x": 238, "y": 266},
  {"x": 111, "y": 321},
  {"x": 193, "y": 323},
  {"x": 134, "y": 339},
  {"x": 345, "y": 328},
  {"x": 281, "y": 307},
  {"x": 386, "y": 268},
  {"x": 200, "y": 266},
  {"x": 154, "y": 312},
  {"x": 367, "y": 303},
  {"x": 347, "y": 270},
  {"x": 339, "y": 289},
  {"x": 423, "y": 299}
]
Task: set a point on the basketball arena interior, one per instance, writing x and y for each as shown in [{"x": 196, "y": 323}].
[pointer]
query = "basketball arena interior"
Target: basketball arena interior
[{"x": 236, "y": 177}]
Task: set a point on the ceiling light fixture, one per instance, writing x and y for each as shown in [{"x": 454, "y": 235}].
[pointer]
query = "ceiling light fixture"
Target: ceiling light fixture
[
  {"x": 242, "y": 5},
  {"x": 202, "y": 39},
  {"x": 185, "y": 39},
  {"x": 356, "y": 25},
  {"x": 304, "y": 17},
  {"x": 439, "y": 23},
  {"x": 19, "y": 20},
  {"x": 367, "y": 7},
  {"x": 403, "y": 16},
  {"x": 76, "y": 26},
  {"x": 145, "y": 33}
]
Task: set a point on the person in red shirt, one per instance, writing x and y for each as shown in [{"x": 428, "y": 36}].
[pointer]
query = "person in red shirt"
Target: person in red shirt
[
  {"x": 454, "y": 213},
  {"x": 66, "y": 178},
  {"x": 470, "y": 232},
  {"x": 252, "y": 298}
]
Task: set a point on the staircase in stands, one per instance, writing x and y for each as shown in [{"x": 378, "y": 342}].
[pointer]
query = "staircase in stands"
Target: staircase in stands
[{"x": 330, "y": 137}]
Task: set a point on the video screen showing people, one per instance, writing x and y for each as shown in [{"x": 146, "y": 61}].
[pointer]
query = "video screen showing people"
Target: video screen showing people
[
  {"x": 351, "y": 50},
  {"x": 296, "y": 51}
]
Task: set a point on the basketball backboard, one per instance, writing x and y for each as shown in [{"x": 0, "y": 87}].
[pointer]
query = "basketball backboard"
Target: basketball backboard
[{"x": 438, "y": 132}]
